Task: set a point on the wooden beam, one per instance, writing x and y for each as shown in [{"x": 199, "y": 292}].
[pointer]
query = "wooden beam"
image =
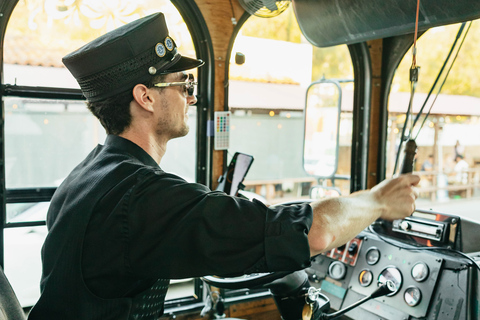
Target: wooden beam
[
  {"x": 376, "y": 50},
  {"x": 264, "y": 309},
  {"x": 256, "y": 310}
]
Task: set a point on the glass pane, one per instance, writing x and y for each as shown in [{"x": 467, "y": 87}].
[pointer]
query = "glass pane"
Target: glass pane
[
  {"x": 46, "y": 139},
  {"x": 322, "y": 121},
  {"x": 267, "y": 98},
  {"x": 449, "y": 183},
  {"x": 55, "y": 28},
  {"x": 23, "y": 266},
  {"x": 181, "y": 288},
  {"x": 23, "y": 212}
]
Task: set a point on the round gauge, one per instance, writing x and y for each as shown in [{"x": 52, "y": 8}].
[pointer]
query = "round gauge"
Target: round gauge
[
  {"x": 412, "y": 296},
  {"x": 372, "y": 256},
  {"x": 420, "y": 271},
  {"x": 337, "y": 270},
  {"x": 365, "y": 277},
  {"x": 394, "y": 275}
]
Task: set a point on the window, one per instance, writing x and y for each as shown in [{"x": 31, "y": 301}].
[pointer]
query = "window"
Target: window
[
  {"x": 267, "y": 97},
  {"x": 45, "y": 138},
  {"x": 449, "y": 184}
]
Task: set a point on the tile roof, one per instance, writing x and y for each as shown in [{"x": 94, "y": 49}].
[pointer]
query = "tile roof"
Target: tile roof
[
  {"x": 27, "y": 49},
  {"x": 274, "y": 96}
]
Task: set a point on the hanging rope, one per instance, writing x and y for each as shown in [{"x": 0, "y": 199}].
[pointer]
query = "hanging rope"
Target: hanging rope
[
  {"x": 414, "y": 69},
  {"x": 414, "y": 49}
]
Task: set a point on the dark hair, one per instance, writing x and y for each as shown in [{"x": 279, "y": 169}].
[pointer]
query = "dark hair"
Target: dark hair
[{"x": 114, "y": 112}]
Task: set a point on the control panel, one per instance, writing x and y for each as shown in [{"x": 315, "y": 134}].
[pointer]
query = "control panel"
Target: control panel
[
  {"x": 433, "y": 230},
  {"x": 414, "y": 274},
  {"x": 222, "y": 130},
  {"x": 348, "y": 253},
  {"x": 421, "y": 260},
  {"x": 332, "y": 270},
  {"x": 359, "y": 267}
]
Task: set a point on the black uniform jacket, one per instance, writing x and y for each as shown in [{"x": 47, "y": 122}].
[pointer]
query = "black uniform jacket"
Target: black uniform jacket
[{"x": 120, "y": 228}]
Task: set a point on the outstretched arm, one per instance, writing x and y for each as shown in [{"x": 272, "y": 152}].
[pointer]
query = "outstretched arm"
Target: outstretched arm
[{"x": 337, "y": 220}]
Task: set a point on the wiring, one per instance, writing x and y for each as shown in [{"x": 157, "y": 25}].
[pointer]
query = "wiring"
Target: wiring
[
  {"x": 459, "y": 33},
  {"x": 234, "y": 21},
  {"x": 460, "y": 38}
]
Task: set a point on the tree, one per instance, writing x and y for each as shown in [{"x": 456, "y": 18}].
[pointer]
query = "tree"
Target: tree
[{"x": 432, "y": 50}]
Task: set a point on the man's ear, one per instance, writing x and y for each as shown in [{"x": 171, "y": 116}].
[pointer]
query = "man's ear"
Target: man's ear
[{"x": 141, "y": 95}]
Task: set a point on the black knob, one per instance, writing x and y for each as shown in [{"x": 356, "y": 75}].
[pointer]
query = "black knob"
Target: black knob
[
  {"x": 353, "y": 248},
  {"x": 220, "y": 307},
  {"x": 410, "y": 152},
  {"x": 405, "y": 225}
]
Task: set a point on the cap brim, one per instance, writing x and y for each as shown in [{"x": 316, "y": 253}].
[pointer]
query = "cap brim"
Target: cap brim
[{"x": 184, "y": 63}]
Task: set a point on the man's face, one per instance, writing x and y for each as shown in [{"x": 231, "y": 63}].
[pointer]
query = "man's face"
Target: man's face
[{"x": 172, "y": 106}]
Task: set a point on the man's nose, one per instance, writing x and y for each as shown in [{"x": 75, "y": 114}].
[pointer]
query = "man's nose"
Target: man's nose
[{"x": 192, "y": 99}]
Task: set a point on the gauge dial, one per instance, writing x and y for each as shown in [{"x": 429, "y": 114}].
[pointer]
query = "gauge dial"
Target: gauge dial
[
  {"x": 372, "y": 256},
  {"x": 392, "y": 274},
  {"x": 412, "y": 296},
  {"x": 337, "y": 270},
  {"x": 365, "y": 278},
  {"x": 420, "y": 271}
]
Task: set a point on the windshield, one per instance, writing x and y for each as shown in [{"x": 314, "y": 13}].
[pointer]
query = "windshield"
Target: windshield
[{"x": 448, "y": 156}]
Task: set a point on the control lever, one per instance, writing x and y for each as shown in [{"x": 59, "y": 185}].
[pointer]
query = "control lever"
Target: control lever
[
  {"x": 410, "y": 152},
  {"x": 386, "y": 288}
]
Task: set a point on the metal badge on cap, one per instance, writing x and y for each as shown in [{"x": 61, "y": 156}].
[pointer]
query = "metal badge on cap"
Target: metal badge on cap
[
  {"x": 152, "y": 70},
  {"x": 160, "y": 50},
  {"x": 169, "y": 43}
]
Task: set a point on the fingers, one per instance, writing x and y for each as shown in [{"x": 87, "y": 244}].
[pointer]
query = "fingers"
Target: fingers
[
  {"x": 415, "y": 192},
  {"x": 398, "y": 195},
  {"x": 414, "y": 196},
  {"x": 410, "y": 179}
]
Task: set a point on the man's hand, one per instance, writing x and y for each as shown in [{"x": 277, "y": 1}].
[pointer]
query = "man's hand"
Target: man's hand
[
  {"x": 397, "y": 196},
  {"x": 337, "y": 220}
]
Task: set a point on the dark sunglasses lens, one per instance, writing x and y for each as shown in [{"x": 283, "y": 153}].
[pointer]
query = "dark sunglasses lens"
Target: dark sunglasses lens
[{"x": 190, "y": 89}]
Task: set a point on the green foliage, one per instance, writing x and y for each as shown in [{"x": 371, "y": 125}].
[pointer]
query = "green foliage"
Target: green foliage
[
  {"x": 432, "y": 49},
  {"x": 282, "y": 27},
  {"x": 333, "y": 62}
]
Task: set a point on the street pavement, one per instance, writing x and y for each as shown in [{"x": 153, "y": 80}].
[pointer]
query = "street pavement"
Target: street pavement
[{"x": 468, "y": 208}]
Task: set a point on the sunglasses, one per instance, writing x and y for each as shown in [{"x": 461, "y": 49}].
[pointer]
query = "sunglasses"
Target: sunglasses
[{"x": 188, "y": 86}]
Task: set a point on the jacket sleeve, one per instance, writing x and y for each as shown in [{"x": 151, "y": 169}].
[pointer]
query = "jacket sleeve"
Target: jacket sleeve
[{"x": 175, "y": 229}]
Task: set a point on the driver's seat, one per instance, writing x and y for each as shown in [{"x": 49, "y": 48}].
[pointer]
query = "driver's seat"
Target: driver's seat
[{"x": 10, "y": 308}]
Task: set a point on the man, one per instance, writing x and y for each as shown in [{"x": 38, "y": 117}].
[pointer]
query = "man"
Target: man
[
  {"x": 120, "y": 227},
  {"x": 427, "y": 165},
  {"x": 460, "y": 169}
]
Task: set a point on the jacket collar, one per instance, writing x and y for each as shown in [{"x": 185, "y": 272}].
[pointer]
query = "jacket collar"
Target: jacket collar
[{"x": 130, "y": 148}]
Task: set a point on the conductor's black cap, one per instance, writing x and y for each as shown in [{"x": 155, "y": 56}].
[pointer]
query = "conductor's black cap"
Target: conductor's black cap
[{"x": 126, "y": 56}]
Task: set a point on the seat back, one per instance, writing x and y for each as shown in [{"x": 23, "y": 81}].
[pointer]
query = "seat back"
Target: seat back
[{"x": 10, "y": 308}]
